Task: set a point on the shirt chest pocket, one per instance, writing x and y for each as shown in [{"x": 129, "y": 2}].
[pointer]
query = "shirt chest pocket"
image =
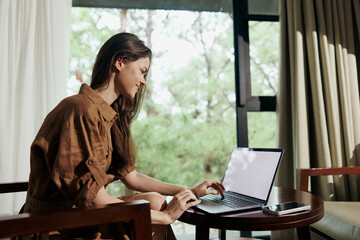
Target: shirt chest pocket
[
  {"x": 105, "y": 145},
  {"x": 105, "y": 135}
]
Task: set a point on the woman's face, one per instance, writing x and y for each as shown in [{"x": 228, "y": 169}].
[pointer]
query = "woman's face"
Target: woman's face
[{"x": 130, "y": 76}]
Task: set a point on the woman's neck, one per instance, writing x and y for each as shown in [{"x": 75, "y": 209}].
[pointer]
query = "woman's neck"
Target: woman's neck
[{"x": 108, "y": 93}]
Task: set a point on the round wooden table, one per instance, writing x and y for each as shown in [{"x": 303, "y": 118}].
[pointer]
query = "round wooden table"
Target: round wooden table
[{"x": 257, "y": 220}]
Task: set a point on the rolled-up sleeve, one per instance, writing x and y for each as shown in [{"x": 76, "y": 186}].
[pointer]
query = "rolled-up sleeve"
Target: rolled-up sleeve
[
  {"x": 120, "y": 172},
  {"x": 80, "y": 166}
]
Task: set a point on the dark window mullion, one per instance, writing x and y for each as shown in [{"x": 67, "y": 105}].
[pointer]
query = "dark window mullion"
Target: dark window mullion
[
  {"x": 261, "y": 103},
  {"x": 242, "y": 69},
  {"x": 260, "y": 18}
]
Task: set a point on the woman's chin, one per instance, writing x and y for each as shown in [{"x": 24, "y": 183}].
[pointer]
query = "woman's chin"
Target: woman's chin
[{"x": 130, "y": 96}]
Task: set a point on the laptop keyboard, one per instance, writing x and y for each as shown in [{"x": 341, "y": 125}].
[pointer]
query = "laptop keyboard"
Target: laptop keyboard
[{"x": 229, "y": 200}]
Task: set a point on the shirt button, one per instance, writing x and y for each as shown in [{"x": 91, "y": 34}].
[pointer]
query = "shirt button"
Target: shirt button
[{"x": 90, "y": 162}]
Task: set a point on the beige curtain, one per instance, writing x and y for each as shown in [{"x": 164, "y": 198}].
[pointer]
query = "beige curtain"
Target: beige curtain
[{"x": 318, "y": 104}]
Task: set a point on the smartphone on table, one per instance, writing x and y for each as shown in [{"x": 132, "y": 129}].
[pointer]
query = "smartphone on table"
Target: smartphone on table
[{"x": 286, "y": 208}]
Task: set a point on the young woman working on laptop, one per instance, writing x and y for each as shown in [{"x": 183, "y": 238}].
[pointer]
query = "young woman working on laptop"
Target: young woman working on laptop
[{"x": 85, "y": 143}]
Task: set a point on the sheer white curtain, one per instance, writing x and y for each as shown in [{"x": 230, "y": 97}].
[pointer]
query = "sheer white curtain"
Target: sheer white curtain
[{"x": 34, "y": 52}]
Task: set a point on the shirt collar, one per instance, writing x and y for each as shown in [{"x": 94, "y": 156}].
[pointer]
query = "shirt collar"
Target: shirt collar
[{"x": 106, "y": 110}]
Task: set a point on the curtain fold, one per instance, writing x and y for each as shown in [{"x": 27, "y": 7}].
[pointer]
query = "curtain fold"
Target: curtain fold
[
  {"x": 318, "y": 106},
  {"x": 34, "y": 53},
  {"x": 318, "y": 100}
]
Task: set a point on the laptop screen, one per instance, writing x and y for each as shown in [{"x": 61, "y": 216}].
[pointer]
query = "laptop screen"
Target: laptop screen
[{"x": 252, "y": 171}]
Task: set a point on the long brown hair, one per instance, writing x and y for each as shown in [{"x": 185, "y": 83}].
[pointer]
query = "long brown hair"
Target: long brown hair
[{"x": 130, "y": 48}]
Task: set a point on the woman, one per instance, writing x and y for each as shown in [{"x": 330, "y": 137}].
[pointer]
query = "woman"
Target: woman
[{"x": 85, "y": 143}]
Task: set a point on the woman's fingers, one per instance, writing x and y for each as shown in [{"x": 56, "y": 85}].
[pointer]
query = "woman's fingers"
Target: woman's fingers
[
  {"x": 219, "y": 187},
  {"x": 205, "y": 188},
  {"x": 184, "y": 194},
  {"x": 180, "y": 203},
  {"x": 188, "y": 196},
  {"x": 214, "y": 187},
  {"x": 187, "y": 199}
]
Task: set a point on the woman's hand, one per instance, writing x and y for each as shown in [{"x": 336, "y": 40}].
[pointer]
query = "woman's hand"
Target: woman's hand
[
  {"x": 179, "y": 204},
  {"x": 204, "y": 188}
]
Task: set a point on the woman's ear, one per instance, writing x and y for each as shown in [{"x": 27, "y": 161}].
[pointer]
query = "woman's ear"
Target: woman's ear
[{"x": 119, "y": 63}]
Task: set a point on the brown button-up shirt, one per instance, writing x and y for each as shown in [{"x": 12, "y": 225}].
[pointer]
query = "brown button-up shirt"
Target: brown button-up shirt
[{"x": 71, "y": 156}]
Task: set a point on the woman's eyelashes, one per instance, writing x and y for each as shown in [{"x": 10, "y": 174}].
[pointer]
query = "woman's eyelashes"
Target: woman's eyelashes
[{"x": 144, "y": 71}]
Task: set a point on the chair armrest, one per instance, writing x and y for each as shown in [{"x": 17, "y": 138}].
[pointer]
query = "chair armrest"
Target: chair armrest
[
  {"x": 137, "y": 212},
  {"x": 305, "y": 173},
  {"x": 13, "y": 187}
]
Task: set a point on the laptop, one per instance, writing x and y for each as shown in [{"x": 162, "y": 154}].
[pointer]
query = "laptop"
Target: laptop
[{"x": 248, "y": 181}]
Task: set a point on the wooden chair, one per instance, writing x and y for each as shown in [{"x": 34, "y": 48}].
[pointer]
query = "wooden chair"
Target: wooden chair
[
  {"x": 305, "y": 173},
  {"x": 340, "y": 220},
  {"x": 137, "y": 213}
]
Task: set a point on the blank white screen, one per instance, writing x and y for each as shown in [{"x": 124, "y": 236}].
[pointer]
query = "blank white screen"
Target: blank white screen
[{"x": 251, "y": 172}]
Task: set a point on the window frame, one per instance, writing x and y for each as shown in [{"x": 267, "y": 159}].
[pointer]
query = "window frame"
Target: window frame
[{"x": 245, "y": 102}]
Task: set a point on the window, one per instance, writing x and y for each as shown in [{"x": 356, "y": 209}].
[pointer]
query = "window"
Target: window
[
  {"x": 264, "y": 57},
  {"x": 264, "y": 65},
  {"x": 256, "y": 34}
]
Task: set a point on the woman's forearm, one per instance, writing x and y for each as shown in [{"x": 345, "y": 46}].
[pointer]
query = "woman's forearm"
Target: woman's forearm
[
  {"x": 157, "y": 217},
  {"x": 142, "y": 183},
  {"x": 103, "y": 198}
]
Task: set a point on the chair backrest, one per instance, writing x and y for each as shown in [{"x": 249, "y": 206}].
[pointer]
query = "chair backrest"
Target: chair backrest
[
  {"x": 305, "y": 173},
  {"x": 136, "y": 212}
]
